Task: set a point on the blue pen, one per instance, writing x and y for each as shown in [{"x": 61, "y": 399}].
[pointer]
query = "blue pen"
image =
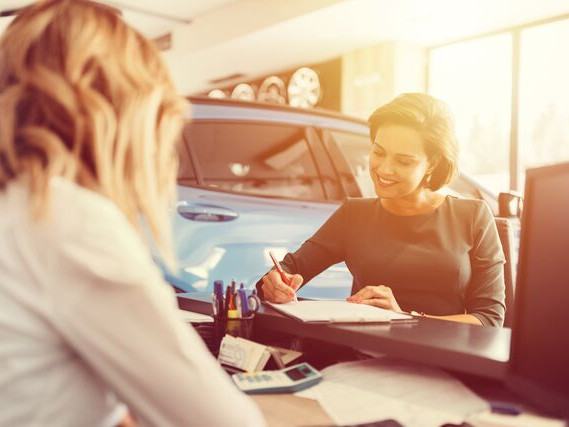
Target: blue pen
[
  {"x": 507, "y": 408},
  {"x": 242, "y": 300}
]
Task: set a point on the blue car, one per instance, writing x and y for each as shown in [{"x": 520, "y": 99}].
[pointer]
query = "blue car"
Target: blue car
[{"x": 258, "y": 177}]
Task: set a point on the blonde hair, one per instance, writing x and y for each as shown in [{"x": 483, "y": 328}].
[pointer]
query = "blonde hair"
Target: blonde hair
[
  {"x": 432, "y": 118},
  {"x": 86, "y": 97}
]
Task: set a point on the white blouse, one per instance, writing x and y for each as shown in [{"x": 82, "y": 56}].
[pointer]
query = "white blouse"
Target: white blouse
[{"x": 87, "y": 324}]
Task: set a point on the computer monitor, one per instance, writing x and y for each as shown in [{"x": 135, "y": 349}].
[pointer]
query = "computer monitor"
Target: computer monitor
[{"x": 539, "y": 355}]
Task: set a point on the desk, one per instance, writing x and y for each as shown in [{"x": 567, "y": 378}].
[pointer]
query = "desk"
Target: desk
[
  {"x": 478, "y": 350},
  {"x": 287, "y": 410},
  {"x": 477, "y": 354}
]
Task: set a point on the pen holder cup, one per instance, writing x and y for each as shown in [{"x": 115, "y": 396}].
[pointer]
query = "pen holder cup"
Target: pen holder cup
[{"x": 238, "y": 327}]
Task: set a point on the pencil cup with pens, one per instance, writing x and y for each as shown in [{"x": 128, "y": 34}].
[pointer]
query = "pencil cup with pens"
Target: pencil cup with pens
[{"x": 233, "y": 311}]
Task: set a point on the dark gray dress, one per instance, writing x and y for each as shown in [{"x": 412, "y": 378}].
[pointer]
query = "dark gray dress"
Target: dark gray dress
[{"x": 449, "y": 261}]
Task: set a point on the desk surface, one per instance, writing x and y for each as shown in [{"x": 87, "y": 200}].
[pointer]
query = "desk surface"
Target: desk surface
[
  {"x": 287, "y": 410},
  {"x": 478, "y": 350}
]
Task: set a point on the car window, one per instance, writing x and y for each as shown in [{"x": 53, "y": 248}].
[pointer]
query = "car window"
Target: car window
[
  {"x": 350, "y": 153},
  {"x": 332, "y": 187},
  {"x": 262, "y": 159},
  {"x": 186, "y": 172}
]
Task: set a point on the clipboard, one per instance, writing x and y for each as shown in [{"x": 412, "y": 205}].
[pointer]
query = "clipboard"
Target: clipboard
[{"x": 334, "y": 311}]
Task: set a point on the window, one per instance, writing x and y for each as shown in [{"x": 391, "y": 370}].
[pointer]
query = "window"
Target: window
[
  {"x": 329, "y": 178},
  {"x": 543, "y": 102},
  {"x": 474, "y": 78},
  {"x": 255, "y": 159},
  {"x": 351, "y": 157},
  {"x": 186, "y": 173}
]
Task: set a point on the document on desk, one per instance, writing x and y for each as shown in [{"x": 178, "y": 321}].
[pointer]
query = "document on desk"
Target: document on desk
[
  {"x": 243, "y": 354},
  {"x": 193, "y": 317},
  {"x": 334, "y": 311},
  {"x": 377, "y": 389}
]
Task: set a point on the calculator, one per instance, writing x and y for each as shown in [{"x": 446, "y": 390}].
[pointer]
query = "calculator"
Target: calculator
[{"x": 287, "y": 380}]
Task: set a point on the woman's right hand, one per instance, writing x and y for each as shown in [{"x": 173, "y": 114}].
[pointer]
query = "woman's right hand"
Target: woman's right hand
[{"x": 277, "y": 291}]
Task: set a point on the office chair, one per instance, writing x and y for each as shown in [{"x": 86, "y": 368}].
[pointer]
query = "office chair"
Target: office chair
[{"x": 507, "y": 238}]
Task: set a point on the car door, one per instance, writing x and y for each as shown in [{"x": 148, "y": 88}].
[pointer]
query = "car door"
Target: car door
[{"x": 247, "y": 188}]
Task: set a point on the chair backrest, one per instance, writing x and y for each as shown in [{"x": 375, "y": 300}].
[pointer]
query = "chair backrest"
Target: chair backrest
[{"x": 507, "y": 233}]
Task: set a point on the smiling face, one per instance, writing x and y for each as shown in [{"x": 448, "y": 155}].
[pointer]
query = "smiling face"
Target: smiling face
[{"x": 398, "y": 162}]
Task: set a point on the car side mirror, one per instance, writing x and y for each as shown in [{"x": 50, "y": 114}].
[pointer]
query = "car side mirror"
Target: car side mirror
[{"x": 510, "y": 204}]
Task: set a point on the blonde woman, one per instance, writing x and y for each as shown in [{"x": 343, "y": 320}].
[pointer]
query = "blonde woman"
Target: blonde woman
[{"x": 88, "y": 124}]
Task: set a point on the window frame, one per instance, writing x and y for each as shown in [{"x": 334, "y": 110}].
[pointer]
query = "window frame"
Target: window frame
[{"x": 515, "y": 172}]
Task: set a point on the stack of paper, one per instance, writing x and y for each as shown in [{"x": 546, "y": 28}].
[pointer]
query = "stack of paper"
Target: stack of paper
[
  {"x": 283, "y": 356},
  {"x": 489, "y": 419},
  {"x": 337, "y": 311},
  {"x": 243, "y": 354},
  {"x": 379, "y": 389}
]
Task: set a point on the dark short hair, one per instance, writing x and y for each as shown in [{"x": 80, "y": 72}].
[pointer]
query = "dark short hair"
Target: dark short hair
[{"x": 432, "y": 118}]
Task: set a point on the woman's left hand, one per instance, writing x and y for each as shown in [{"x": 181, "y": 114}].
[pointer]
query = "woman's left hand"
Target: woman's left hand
[{"x": 379, "y": 296}]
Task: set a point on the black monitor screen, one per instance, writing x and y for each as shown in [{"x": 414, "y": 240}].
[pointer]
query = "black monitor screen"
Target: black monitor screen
[{"x": 539, "y": 358}]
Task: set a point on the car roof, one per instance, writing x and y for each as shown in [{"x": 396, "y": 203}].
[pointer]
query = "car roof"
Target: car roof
[{"x": 203, "y": 108}]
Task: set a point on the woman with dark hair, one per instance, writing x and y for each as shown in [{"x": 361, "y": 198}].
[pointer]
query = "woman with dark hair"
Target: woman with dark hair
[{"x": 411, "y": 248}]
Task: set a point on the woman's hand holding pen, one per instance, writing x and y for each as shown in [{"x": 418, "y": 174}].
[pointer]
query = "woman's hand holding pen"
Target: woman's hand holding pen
[
  {"x": 276, "y": 290},
  {"x": 379, "y": 296}
]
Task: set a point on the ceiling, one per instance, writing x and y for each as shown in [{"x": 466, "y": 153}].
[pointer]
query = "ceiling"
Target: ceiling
[
  {"x": 216, "y": 38},
  {"x": 150, "y": 18}
]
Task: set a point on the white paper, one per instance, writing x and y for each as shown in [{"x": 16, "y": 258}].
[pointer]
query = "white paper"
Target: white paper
[
  {"x": 337, "y": 311},
  {"x": 243, "y": 354},
  {"x": 308, "y": 393},
  {"x": 489, "y": 419},
  {"x": 378, "y": 389},
  {"x": 193, "y": 317}
]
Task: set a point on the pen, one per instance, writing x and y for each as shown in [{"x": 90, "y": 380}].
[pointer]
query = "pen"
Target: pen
[
  {"x": 242, "y": 305},
  {"x": 231, "y": 309},
  {"x": 281, "y": 273},
  {"x": 228, "y": 300},
  {"x": 218, "y": 294},
  {"x": 507, "y": 408}
]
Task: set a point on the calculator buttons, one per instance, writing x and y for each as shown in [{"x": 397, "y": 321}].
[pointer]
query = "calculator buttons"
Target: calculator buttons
[{"x": 279, "y": 381}]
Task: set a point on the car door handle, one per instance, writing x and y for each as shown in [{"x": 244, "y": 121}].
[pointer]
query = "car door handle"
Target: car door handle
[{"x": 205, "y": 213}]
